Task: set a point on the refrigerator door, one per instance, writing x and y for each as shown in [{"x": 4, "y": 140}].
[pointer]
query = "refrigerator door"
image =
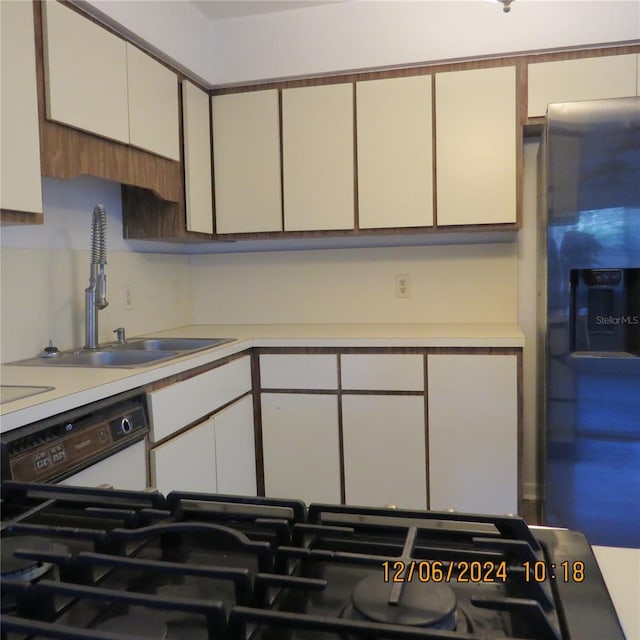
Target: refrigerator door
[{"x": 592, "y": 359}]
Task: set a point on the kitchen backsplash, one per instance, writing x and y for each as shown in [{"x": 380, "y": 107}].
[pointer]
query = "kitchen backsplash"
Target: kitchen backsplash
[{"x": 453, "y": 283}]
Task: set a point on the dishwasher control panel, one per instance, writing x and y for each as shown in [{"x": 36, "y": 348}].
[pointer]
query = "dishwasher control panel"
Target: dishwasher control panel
[{"x": 57, "y": 447}]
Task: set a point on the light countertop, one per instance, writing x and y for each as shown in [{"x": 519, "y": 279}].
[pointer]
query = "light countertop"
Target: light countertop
[{"x": 76, "y": 386}]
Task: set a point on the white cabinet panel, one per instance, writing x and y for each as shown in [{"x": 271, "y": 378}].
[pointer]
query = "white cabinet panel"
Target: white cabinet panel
[
  {"x": 20, "y": 182},
  {"x": 186, "y": 462},
  {"x": 246, "y": 145},
  {"x": 197, "y": 158},
  {"x": 473, "y": 433},
  {"x": 154, "y": 122},
  {"x": 85, "y": 74},
  {"x": 476, "y": 146},
  {"x": 126, "y": 469},
  {"x": 235, "y": 449},
  {"x": 584, "y": 79},
  {"x": 301, "y": 446},
  {"x": 318, "y": 157},
  {"x": 395, "y": 143},
  {"x": 393, "y": 372},
  {"x": 180, "y": 404},
  {"x": 293, "y": 371},
  {"x": 384, "y": 450}
]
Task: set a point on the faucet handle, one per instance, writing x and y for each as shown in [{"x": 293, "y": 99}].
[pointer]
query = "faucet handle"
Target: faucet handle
[{"x": 120, "y": 335}]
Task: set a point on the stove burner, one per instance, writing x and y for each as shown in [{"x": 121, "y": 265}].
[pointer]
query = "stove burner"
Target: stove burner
[
  {"x": 136, "y": 624},
  {"x": 422, "y": 604},
  {"x": 22, "y": 568}
]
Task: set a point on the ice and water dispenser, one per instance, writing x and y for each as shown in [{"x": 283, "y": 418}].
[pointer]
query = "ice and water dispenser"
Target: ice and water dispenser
[{"x": 605, "y": 311}]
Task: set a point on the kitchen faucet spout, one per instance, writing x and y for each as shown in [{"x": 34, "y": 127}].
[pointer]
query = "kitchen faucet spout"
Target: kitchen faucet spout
[{"x": 95, "y": 295}]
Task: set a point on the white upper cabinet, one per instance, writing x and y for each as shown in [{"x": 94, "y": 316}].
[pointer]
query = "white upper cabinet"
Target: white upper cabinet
[
  {"x": 318, "y": 157},
  {"x": 97, "y": 82},
  {"x": 584, "y": 79},
  {"x": 246, "y": 157},
  {"x": 197, "y": 158},
  {"x": 476, "y": 146},
  {"x": 85, "y": 74},
  {"x": 153, "y": 105},
  {"x": 20, "y": 182},
  {"x": 395, "y": 144}
]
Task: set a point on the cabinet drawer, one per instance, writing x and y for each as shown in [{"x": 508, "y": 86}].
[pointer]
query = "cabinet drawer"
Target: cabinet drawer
[
  {"x": 185, "y": 402},
  {"x": 290, "y": 371},
  {"x": 382, "y": 372}
]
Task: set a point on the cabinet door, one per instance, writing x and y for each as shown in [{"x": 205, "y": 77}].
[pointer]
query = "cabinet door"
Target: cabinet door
[
  {"x": 246, "y": 157},
  {"x": 384, "y": 450},
  {"x": 186, "y": 462},
  {"x": 300, "y": 445},
  {"x": 476, "y": 146},
  {"x": 235, "y": 449},
  {"x": 395, "y": 164},
  {"x": 20, "y": 183},
  {"x": 85, "y": 74},
  {"x": 183, "y": 403},
  {"x": 154, "y": 122},
  {"x": 473, "y": 432},
  {"x": 197, "y": 158},
  {"x": 584, "y": 79},
  {"x": 126, "y": 469},
  {"x": 318, "y": 157}
]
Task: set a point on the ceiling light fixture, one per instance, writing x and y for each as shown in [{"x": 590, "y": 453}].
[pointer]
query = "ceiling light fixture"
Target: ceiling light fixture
[{"x": 506, "y": 5}]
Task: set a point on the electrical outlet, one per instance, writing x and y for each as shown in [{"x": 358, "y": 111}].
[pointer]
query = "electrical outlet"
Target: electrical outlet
[
  {"x": 403, "y": 285},
  {"x": 127, "y": 297}
]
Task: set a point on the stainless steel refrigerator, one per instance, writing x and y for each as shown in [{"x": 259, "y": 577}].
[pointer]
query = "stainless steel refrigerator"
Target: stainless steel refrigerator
[{"x": 589, "y": 364}]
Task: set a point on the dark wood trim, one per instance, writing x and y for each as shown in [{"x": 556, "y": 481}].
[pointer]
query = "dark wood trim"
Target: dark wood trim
[
  {"x": 343, "y": 482},
  {"x": 257, "y": 422},
  {"x": 426, "y": 428},
  {"x": 10, "y": 217}
]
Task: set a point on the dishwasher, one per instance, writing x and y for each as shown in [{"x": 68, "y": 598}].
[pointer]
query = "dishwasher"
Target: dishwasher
[{"x": 102, "y": 443}]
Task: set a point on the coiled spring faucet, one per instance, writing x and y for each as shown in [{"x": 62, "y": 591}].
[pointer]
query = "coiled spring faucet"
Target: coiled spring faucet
[{"x": 95, "y": 295}]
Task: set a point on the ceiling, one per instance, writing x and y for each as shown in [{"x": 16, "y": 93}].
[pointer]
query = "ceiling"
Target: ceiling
[{"x": 221, "y": 9}]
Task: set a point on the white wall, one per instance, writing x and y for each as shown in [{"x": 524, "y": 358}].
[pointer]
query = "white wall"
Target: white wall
[
  {"x": 362, "y": 34},
  {"x": 345, "y": 36},
  {"x": 455, "y": 283},
  {"x": 44, "y": 270}
]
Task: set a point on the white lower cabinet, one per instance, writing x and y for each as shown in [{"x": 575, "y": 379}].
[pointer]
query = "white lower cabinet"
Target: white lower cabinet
[
  {"x": 187, "y": 462},
  {"x": 300, "y": 445},
  {"x": 215, "y": 456},
  {"x": 384, "y": 450},
  {"x": 235, "y": 448},
  {"x": 473, "y": 432}
]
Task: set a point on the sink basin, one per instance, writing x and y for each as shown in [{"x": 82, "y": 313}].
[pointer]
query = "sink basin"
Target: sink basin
[
  {"x": 137, "y": 353},
  {"x": 103, "y": 358},
  {"x": 172, "y": 344}
]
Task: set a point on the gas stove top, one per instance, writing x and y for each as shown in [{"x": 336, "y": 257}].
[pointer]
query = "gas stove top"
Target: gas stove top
[{"x": 91, "y": 564}]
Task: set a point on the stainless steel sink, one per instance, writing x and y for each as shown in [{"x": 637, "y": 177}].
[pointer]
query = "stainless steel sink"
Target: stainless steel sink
[
  {"x": 137, "y": 353},
  {"x": 171, "y": 344},
  {"x": 101, "y": 358}
]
